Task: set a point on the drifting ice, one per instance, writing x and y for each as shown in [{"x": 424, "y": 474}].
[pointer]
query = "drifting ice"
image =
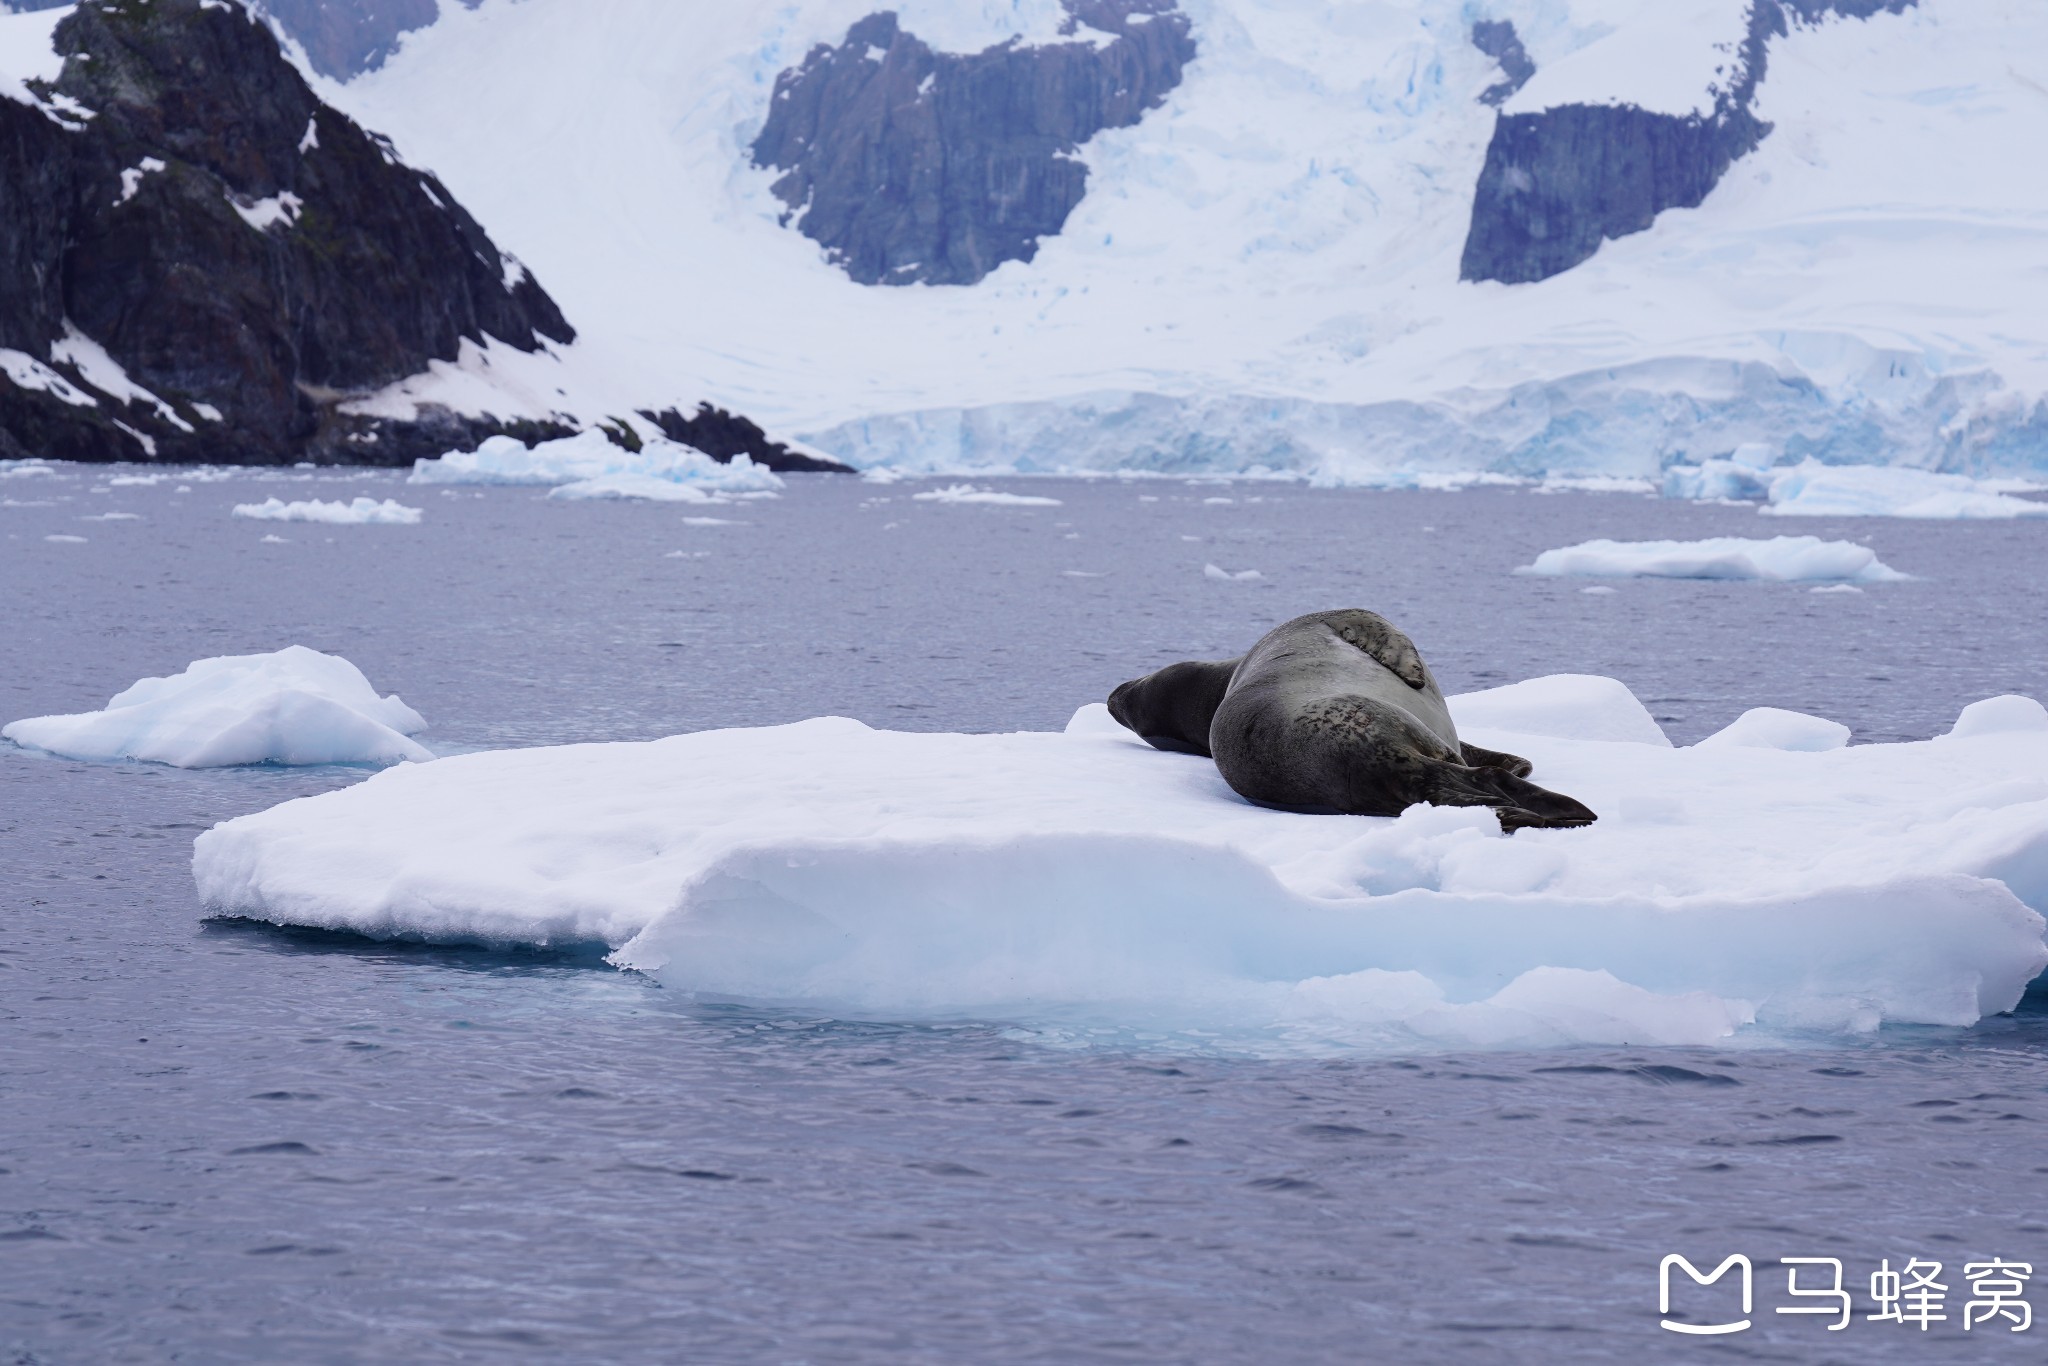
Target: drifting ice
[
  {"x": 296, "y": 706},
  {"x": 362, "y": 512},
  {"x": 1812, "y": 489},
  {"x": 967, "y": 493},
  {"x": 589, "y": 465},
  {"x": 1781, "y": 559},
  {"x": 1085, "y": 880}
]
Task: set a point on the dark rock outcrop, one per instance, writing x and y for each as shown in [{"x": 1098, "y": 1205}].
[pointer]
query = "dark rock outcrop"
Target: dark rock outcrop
[
  {"x": 248, "y": 256},
  {"x": 1558, "y": 183},
  {"x": 1497, "y": 39},
  {"x": 341, "y": 38},
  {"x": 910, "y": 165},
  {"x": 723, "y": 435}
]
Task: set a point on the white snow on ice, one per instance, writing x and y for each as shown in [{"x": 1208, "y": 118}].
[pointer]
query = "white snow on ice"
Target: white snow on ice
[
  {"x": 1776, "y": 728},
  {"x": 1811, "y": 489},
  {"x": 1083, "y": 879},
  {"x": 295, "y": 706},
  {"x": 361, "y": 512},
  {"x": 1781, "y": 559},
  {"x": 590, "y": 465}
]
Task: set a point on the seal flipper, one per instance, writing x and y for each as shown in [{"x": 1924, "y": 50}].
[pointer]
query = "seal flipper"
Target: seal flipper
[
  {"x": 1518, "y": 804},
  {"x": 1385, "y": 642},
  {"x": 1493, "y": 758}
]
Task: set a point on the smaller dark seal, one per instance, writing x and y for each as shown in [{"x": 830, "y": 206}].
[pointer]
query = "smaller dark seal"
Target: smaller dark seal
[{"x": 1333, "y": 713}]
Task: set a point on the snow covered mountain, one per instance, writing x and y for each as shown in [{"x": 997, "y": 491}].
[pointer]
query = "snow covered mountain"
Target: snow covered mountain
[
  {"x": 1370, "y": 242},
  {"x": 1364, "y": 242}
]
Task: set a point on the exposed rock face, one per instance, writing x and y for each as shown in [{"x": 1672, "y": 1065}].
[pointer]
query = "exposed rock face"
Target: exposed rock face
[
  {"x": 910, "y": 165},
  {"x": 341, "y": 37},
  {"x": 1497, "y": 39},
  {"x": 1558, "y": 183},
  {"x": 723, "y": 435},
  {"x": 247, "y": 256}
]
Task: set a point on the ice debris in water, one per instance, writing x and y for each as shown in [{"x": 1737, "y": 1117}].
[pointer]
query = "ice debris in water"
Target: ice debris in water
[
  {"x": 1779, "y": 559},
  {"x": 1812, "y": 489},
  {"x": 1222, "y": 575},
  {"x": 967, "y": 493},
  {"x": 1083, "y": 880},
  {"x": 294, "y": 706},
  {"x": 591, "y": 465},
  {"x": 361, "y": 512}
]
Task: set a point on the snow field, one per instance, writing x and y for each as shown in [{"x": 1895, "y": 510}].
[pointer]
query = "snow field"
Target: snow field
[
  {"x": 1083, "y": 881},
  {"x": 1781, "y": 559},
  {"x": 294, "y": 706}
]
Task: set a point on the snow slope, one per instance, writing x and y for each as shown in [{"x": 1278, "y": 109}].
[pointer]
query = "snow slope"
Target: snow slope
[
  {"x": 1264, "y": 271},
  {"x": 1084, "y": 880}
]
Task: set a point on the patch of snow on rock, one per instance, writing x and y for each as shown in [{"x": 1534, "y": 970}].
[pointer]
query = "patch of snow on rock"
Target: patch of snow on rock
[{"x": 295, "y": 706}]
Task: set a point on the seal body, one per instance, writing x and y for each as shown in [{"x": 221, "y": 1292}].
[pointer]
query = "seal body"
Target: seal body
[{"x": 1333, "y": 713}]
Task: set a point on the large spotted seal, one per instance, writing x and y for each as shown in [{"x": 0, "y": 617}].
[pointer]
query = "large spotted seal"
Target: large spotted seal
[{"x": 1330, "y": 713}]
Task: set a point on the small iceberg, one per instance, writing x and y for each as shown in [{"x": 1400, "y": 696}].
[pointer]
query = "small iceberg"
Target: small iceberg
[
  {"x": 1082, "y": 881},
  {"x": 1781, "y": 559},
  {"x": 967, "y": 493},
  {"x": 362, "y": 512},
  {"x": 1811, "y": 489},
  {"x": 295, "y": 706},
  {"x": 589, "y": 465},
  {"x": 1222, "y": 575}
]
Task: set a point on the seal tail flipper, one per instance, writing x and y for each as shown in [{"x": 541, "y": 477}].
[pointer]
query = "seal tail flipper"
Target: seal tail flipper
[
  {"x": 1477, "y": 757},
  {"x": 1517, "y": 803}
]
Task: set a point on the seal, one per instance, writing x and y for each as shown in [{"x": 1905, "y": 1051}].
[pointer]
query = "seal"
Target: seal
[{"x": 1334, "y": 713}]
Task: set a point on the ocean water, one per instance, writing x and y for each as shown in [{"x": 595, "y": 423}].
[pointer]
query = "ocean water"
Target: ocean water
[{"x": 222, "y": 1142}]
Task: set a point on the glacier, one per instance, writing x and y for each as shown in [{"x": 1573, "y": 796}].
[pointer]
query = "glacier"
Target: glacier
[
  {"x": 1083, "y": 885},
  {"x": 1263, "y": 275},
  {"x": 292, "y": 706}
]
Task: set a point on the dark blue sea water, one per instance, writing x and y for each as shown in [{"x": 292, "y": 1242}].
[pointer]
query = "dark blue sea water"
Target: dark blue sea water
[{"x": 226, "y": 1143}]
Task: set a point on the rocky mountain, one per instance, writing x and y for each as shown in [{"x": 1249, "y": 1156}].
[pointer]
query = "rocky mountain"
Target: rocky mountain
[
  {"x": 912, "y": 166},
  {"x": 206, "y": 263},
  {"x": 341, "y": 38}
]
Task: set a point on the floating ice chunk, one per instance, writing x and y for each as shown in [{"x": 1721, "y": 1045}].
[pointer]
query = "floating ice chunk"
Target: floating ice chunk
[
  {"x": 1082, "y": 877},
  {"x": 1222, "y": 575},
  {"x": 648, "y": 488},
  {"x": 1811, "y": 489},
  {"x": 361, "y": 512},
  {"x": 599, "y": 468},
  {"x": 23, "y": 469},
  {"x": 62, "y": 538},
  {"x": 1780, "y": 559},
  {"x": 1564, "y": 706},
  {"x": 274, "y": 540},
  {"x": 967, "y": 493},
  {"x": 1599, "y": 590},
  {"x": 1836, "y": 588},
  {"x": 1775, "y": 728},
  {"x": 1999, "y": 716},
  {"x": 296, "y": 706}
]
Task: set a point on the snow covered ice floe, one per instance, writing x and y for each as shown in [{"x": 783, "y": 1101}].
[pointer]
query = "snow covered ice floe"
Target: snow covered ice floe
[
  {"x": 1082, "y": 881},
  {"x": 361, "y": 512},
  {"x": 1781, "y": 559},
  {"x": 1811, "y": 489},
  {"x": 968, "y": 493},
  {"x": 590, "y": 465},
  {"x": 294, "y": 706}
]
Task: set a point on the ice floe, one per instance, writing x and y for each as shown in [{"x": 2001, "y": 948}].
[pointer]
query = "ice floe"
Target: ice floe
[
  {"x": 968, "y": 493},
  {"x": 590, "y": 465},
  {"x": 1780, "y": 559},
  {"x": 1222, "y": 575},
  {"x": 1776, "y": 728},
  {"x": 1812, "y": 489},
  {"x": 1081, "y": 880},
  {"x": 361, "y": 512},
  {"x": 294, "y": 706}
]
